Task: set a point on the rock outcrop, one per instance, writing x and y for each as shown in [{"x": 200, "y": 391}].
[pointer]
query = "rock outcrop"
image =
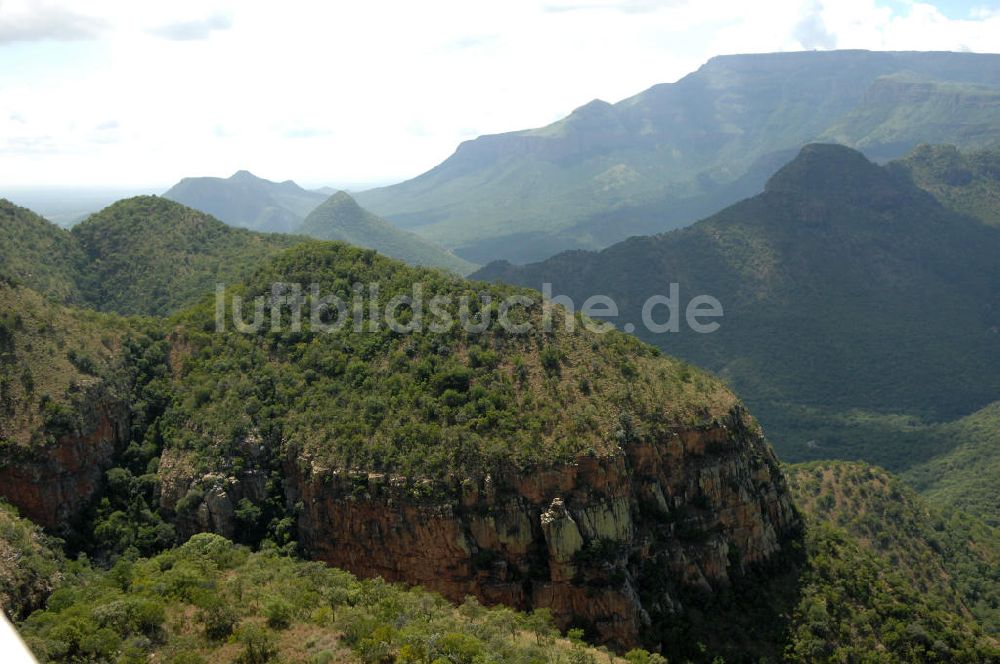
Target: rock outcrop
[
  {"x": 605, "y": 541},
  {"x": 51, "y": 483}
]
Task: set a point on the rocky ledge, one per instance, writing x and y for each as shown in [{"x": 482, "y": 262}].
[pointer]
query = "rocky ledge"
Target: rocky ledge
[{"x": 608, "y": 542}]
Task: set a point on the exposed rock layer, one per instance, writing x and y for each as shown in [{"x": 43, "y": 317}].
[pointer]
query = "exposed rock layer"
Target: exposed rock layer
[
  {"x": 52, "y": 483},
  {"x": 603, "y": 541}
]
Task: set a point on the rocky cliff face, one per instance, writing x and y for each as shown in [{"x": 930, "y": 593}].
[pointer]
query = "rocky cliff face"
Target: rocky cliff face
[
  {"x": 52, "y": 483},
  {"x": 606, "y": 541}
]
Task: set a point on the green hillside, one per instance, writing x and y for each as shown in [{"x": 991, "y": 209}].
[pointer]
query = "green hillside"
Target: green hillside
[
  {"x": 212, "y": 601},
  {"x": 965, "y": 477},
  {"x": 53, "y": 361},
  {"x": 825, "y": 281},
  {"x": 31, "y": 564},
  {"x": 427, "y": 404},
  {"x": 879, "y": 570},
  {"x": 681, "y": 151},
  {"x": 149, "y": 255},
  {"x": 39, "y": 254},
  {"x": 945, "y": 554},
  {"x": 902, "y": 106},
  {"x": 341, "y": 218},
  {"x": 248, "y": 201},
  {"x": 967, "y": 182}
]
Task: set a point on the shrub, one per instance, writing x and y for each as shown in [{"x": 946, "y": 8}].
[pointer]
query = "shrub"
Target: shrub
[
  {"x": 279, "y": 613},
  {"x": 219, "y": 620},
  {"x": 551, "y": 360},
  {"x": 258, "y": 645}
]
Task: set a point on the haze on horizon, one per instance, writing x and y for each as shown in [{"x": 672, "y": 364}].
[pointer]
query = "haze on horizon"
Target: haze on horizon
[{"x": 129, "y": 95}]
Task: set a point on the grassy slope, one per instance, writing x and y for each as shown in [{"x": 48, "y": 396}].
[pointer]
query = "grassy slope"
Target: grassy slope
[
  {"x": 149, "y": 255},
  {"x": 341, "y": 218},
  {"x": 52, "y": 358},
  {"x": 943, "y": 551},
  {"x": 902, "y": 107},
  {"x": 39, "y": 254},
  {"x": 965, "y": 477}
]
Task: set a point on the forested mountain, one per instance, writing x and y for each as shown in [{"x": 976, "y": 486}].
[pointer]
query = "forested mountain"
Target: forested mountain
[
  {"x": 852, "y": 298},
  {"x": 967, "y": 182},
  {"x": 533, "y": 469},
  {"x": 245, "y": 200},
  {"x": 943, "y": 565},
  {"x": 149, "y": 255},
  {"x": 144, "y": 255},
  {"x": 965, "y": 477},
  {"x": 341, "y": 218},
  {"x": 681, "y": 151},
  {"x": 38, "y": 253},
  {"x": 131, "y": 435}
]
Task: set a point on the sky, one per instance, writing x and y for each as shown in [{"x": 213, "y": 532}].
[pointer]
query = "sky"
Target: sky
[{"x": 118, "y": 93}]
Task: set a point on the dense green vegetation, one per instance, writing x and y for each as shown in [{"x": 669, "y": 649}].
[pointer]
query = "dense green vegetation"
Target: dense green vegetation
[
  {"x": 942, "y": 553},
  {"x": 427, "y": 404},
  {"x": 965, "y": 477},
  {"x": 825, "y": 280},
  {"x": 212, "y": 601},
  {"x": 882, "y": 576},
  {"x": 31, "y": 564},
  {"x": 145, "y": 255},
  {"x": 681, "y": 151},
  {"x": 39, "y": 254},
  {"x": 966, "y": 182},
  {"x": 855, "y": 606},
  {"x": 149, "y": 255},
  {"x": 341, "y": 218},
  {"x": 54, "y": 361},
  {"x": 248, "y": 201}
]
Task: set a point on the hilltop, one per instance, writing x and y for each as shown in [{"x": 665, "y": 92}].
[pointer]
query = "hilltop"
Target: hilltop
[
  {"x": 825, "y": 279},
  {"x": 149, "y": 255},
  {"x": 245, "y": 200},
  {"x": 144, "y": 255},
  {"x": 519, "y": 467},
  {"x": 341, "y": 218},
  {"x": 36, "y": 252}
]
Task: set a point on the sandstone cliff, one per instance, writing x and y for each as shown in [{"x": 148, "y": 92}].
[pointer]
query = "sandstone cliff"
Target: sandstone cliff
[
  {"x": 51, "y": 483},
  {"x": 605, "y": 542}
]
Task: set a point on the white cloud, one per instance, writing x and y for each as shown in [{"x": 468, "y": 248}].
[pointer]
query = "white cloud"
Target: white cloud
[
  {"x": 37, "y": 20},
  {"x": 196, "y": 29},
  {"x": 348, "y": 92}
]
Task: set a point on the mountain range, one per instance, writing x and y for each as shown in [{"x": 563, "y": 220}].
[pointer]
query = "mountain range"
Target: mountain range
[
  {"x": 180, "y": 485},
  {"x": 681, "y": 151},
  {"x": 585, "y": 475},
  {"x": 245, "y": 200},
  {"x": 851, "y": 296}
]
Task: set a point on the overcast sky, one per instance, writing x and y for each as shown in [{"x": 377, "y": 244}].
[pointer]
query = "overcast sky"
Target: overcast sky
[{"x": 124, "y": 93}]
